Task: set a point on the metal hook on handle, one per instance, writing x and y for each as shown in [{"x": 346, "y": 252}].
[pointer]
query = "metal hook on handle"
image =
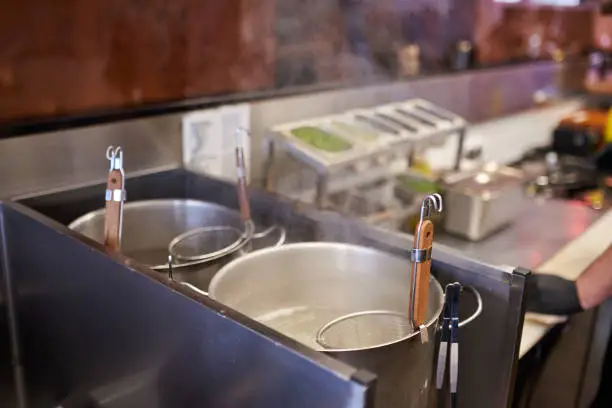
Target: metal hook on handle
[
  {"x": 115, "y": 156},
  {"x": 431, "y": 200}
]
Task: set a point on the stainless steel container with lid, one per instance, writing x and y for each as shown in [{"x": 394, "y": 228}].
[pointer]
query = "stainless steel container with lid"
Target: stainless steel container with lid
[{"x": 482, "y": 202}]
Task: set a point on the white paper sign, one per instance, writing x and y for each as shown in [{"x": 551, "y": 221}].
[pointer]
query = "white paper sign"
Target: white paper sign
[
  {"x": 208, "y": 139},
  {"x": 233, "y": 117}
]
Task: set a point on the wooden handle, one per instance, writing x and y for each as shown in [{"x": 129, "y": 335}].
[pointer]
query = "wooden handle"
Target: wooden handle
[
  {"x": 421, "y": 295},
  {"x": 243, "y": 197},
  {"x": 114, "y": 210},
  {"x": 243, "y": 200}
]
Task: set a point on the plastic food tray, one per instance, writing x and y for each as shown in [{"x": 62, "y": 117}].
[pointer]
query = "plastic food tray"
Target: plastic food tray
[
  {"x": 377, "y": 150},
  {"x": 401, "y": 128}
]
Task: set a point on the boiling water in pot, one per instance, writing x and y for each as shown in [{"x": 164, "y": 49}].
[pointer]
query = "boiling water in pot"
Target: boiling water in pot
[{"x": 301, "y": 322}]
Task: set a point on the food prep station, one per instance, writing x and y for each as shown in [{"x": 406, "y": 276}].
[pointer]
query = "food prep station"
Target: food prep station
[
  {"x": 379, "y": 177},
  {"x": 138, "y": 329},
  {"x": 368, "y": 149}
]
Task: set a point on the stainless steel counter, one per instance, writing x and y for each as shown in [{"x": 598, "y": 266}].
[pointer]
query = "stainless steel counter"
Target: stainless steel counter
[{"x": 544, "y": 227}]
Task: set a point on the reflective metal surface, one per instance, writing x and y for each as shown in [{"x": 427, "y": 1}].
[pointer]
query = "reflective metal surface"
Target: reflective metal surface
[
  {"x": 298, "y": 288},
  {"x": 482, "y": 202},
  {"x": 540, "y": 230},
  {"x": 71, "y": 158},
  {"x": 94, "y": 328},
  {"x": 149, "y": 227},
  {"x": 60, "y": 159},
  {"x": 490, "y": 344}
]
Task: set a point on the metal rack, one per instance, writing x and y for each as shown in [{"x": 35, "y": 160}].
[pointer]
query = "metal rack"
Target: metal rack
[{"x": 375, "y": 137}]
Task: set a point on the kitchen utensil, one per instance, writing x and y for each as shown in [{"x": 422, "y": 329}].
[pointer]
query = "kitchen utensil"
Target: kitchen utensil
[
  {"x": 480, "y": 203},
  {"x": 420, "y": 257},
  {"x": 372, "y": 328},
  {"x": 241, "y": 172},
  {"x": 209, "y": 243},
  {"x": 449, "y": 335},
  {"x": 297, "y": 288},
  {"x": 149, "y": 226},
  {"x": 115, "y": 196}
]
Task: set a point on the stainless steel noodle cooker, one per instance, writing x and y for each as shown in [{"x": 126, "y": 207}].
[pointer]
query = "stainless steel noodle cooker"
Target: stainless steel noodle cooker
[{"x": 298, "y": 288}]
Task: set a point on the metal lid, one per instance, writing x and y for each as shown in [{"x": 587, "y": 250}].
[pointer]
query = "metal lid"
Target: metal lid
[{"x": 490, "y": 178}]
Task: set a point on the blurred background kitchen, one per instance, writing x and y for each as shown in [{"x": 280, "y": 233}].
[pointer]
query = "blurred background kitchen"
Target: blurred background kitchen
[{"x": 360, "y": 107}]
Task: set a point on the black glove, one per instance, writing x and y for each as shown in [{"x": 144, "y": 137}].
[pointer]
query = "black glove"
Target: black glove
[
  {"x": 603, "y": 160},
  {"x": 549, "y": 294}
]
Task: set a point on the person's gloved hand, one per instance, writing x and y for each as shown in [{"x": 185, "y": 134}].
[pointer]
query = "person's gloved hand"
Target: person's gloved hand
[
  {"x": 603, "y": 160},
  {"x": 552, "y": 295}
]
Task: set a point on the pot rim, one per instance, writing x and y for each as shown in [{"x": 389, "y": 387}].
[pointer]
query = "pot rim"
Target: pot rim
[
  {"x": 83, "y": 219},
  {"x": 162, "y": 202},
  {"x": 331, "y": 245}
]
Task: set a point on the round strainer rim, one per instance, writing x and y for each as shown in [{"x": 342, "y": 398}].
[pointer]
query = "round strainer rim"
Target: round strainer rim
[
  {"x": 347, "y": 316},
  {"x": 244, "y": 237}
]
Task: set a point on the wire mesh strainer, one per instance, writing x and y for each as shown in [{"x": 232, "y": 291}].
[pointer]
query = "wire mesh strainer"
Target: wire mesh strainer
[
  {"x": 210, "y": 243},
  {"x": 371, "y": 328},
  {"x": 376, "y": 328}
]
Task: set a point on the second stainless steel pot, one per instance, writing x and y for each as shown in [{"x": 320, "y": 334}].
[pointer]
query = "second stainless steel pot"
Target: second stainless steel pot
[
  {"x": 297, "y": 288},
  {"x": 149, "y": 226}
]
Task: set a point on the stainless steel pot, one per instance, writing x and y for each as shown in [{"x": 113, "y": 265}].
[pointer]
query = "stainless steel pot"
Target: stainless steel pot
[
  {"x": 298, "y": 288},
  {"x": 149, "y": 226}
]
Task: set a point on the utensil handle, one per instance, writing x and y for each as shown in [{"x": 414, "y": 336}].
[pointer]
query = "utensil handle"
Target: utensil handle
[
  {"x": 243, "y": 197},
  {"x": 424, "y": 236},
  {"x": 113, "y": 220},
  {"x": 243, "y": 200}
]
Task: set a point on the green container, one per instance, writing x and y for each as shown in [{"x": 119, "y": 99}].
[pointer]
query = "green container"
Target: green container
[{"x": 321, "y": 139}]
